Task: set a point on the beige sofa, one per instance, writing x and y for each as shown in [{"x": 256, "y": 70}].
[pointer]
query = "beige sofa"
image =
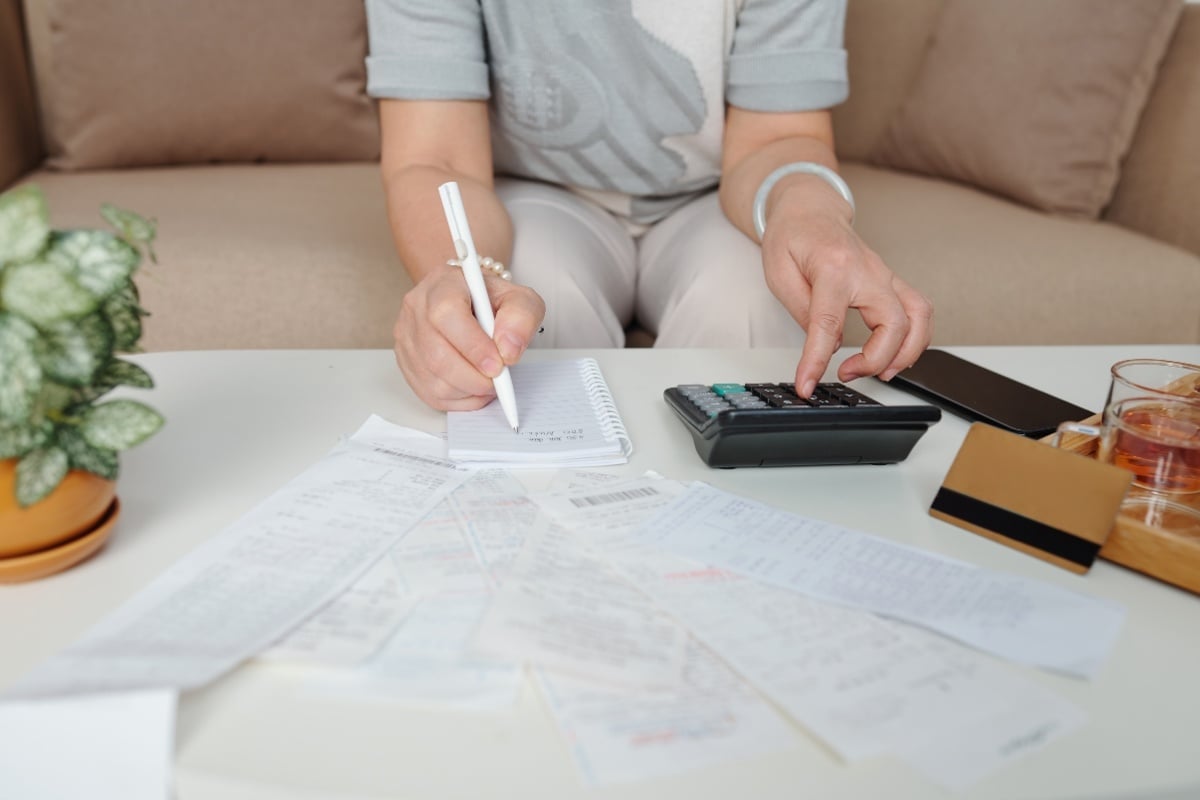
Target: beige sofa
[{"x": 292, "y": 249}]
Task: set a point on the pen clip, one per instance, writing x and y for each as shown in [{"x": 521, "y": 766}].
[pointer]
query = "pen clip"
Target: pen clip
[{"x": 456, "y": 219}]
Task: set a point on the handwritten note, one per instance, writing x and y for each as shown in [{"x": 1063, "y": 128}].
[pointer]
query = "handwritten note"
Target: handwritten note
[{"x": 568, "y": 417}]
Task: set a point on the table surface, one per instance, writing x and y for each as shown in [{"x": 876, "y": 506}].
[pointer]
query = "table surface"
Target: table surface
[{"x": 243, "y": 423}]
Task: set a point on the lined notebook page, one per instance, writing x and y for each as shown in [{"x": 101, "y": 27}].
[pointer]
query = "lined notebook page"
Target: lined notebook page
[{"x": 567, "y": 417}]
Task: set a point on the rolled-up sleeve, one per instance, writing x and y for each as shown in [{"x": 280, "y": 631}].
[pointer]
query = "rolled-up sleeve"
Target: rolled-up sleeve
[
  {"x": 426, "y": 50},
  {"x": 788, "y": 56}
]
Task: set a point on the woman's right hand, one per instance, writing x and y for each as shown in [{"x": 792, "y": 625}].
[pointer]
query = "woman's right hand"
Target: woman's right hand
[{"x": 440, "y": 347}]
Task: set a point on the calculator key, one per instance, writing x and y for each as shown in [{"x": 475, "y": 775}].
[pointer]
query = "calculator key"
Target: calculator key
[
  {"x": 826, "y": 399},
  {"x": 728, "y": 388}
]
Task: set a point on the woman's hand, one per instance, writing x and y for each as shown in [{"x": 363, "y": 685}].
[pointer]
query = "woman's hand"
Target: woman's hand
[
  {"x": 440, "y": 347},
  {"x": 819, "y": 268}
]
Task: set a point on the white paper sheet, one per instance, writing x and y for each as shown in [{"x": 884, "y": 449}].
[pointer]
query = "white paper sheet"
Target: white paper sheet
[
  {"x": 428, "y": 660},
  {"x": 420, "y": 656},
  {"x": 617, "y": 736},
  {"x": 1020, "y": 619},
  {"x": 564, "y": 608},
  {"x": 260, "y": 577},
  {"x": 956, "y": 762},
  {"x": 865, "y": 685},
  {"x": 114, "y": 745},
  {"x": 495, "y": 519},
  {"x": 351, "y": 628}
]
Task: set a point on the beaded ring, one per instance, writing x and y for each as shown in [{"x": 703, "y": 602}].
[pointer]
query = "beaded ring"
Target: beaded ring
[{"x": 486, "y": 263}]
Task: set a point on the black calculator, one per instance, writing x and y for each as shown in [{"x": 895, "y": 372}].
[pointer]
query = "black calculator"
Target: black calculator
[{"x": 769, "y": 425}]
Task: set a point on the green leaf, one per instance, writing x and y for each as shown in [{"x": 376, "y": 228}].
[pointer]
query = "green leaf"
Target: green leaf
[
  {"x": 83, "y": 455},
  {"x": 130, "y": 296},
  {"x": 39, "y": 473},
  {"x": 55, "y": 397},
  {"x": 119, "y": 424},
  {"x": 42, "y": 293},
  {"x": 20, "y": 373},
  {"x": 24, "y": 224},
  {"x": 118, "y": 372},
  {"x": 99, "y": 262},
  {"x": 113, "y": 374},
  {"x": 134, "y": 228},
  {"x": 125, "y": 317},
  {"x": 17, "y": 440},
  {"x": 72, "y": 350}
]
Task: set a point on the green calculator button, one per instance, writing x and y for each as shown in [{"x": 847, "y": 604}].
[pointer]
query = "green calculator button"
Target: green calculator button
[{"x": 728, "y": 388}]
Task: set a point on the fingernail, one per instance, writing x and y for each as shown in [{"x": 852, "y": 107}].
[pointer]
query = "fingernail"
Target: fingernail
[
  {"x": 853, "y": 376},
  {"x": 510, "y": 347},
  {"x": 807, "y": 389},
  {"x": 888, "y": 374},
  {"x": 491, "y": 367}
]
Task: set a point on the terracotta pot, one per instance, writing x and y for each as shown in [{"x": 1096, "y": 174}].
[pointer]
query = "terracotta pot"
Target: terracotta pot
[{"x": 72, "y": 509}]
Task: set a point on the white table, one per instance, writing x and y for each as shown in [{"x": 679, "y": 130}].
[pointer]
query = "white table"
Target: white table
[{"x": 241, "y": 424}]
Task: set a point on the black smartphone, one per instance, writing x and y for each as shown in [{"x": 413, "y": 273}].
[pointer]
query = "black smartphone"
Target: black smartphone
[{"x": 976, "y": 393}]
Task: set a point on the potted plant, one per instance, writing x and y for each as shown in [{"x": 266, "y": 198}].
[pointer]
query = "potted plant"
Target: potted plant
[{"x": 68, "y": 306}]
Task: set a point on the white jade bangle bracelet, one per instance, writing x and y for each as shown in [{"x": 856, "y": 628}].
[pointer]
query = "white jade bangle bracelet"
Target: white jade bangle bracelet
[{"x": 806, "y": 167}]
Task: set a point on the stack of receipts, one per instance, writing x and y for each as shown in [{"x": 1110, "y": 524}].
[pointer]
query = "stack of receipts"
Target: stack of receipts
[{"x": 668, "y": 626}]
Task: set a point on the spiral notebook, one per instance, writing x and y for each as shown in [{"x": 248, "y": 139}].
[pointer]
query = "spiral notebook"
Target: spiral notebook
[{"x": 567, "y": 416}]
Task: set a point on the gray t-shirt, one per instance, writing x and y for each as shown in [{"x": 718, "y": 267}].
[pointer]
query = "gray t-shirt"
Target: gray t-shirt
[{"x": 620, "y": 100}]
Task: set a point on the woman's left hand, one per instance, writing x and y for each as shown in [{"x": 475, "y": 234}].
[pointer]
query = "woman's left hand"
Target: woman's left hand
[{"x": 819, "y": 268}]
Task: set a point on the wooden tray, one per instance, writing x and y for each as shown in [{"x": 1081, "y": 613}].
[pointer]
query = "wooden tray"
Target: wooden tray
[{"x": 1166, "y": 553}]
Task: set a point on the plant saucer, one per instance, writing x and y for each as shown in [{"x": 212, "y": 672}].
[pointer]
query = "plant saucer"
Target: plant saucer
[{"x": 55, "y": 559}]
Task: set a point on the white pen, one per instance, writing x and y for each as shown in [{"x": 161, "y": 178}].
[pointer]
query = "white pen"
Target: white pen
[{"x": 464, "y": 247}]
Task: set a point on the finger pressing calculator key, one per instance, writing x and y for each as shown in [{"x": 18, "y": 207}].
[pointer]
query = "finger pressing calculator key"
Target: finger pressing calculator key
[{"x": 769, "y": 425}]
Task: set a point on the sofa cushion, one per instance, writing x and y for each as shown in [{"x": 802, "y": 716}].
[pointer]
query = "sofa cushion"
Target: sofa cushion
[
  {"x": 142, "y": 82},
  {"x": 1034, "y": 100},
  {"x": 20, "y": 145},
  {"x": 884, "y": 50},
  {"x": 1001, "y": 273},
  {"x": 1159, "y": 190},
  {"x": 253, "y": 255}
]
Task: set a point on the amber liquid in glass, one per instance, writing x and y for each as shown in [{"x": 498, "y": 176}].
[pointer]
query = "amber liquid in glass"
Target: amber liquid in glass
[{"x": 1160, "y": 447}]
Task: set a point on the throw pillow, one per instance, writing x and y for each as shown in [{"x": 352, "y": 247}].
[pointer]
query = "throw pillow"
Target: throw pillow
[
  {"x": 1036, "y": 100},
  {"x": 143, "y": 82}
]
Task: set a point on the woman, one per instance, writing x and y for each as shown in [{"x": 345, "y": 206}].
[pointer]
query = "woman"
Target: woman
[{"x": 667, "y": 161}]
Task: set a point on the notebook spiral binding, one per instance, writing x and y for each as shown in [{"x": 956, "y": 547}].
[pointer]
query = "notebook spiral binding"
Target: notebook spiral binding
[{"x": 601, "y": 399}]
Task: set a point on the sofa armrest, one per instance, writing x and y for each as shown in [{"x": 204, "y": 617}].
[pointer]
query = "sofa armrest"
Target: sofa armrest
[
  {"x": 1159, "y": 189},
  {"x": 20, "y": 141}
]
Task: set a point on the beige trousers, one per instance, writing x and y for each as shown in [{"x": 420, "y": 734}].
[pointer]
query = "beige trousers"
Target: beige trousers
[{"x": 692, "y": 279}]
